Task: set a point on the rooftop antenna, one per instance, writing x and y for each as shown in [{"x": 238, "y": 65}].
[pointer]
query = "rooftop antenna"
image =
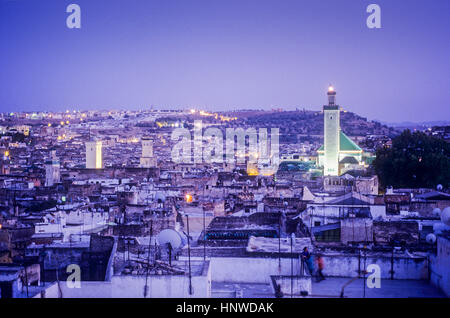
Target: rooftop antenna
[
  {"x": 204, "y": 235},
  {"x": 279, "y": 241}
]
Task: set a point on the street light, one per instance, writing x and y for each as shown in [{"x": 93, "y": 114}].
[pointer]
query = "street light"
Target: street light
[{"x": 188, "y": 199}]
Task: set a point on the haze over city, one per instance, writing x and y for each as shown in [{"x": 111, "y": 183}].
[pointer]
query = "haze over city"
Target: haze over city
[{"x": 224, "y": 55}]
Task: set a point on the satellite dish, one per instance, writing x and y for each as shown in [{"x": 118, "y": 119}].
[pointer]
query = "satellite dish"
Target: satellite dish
[
  {"x": 172, "y": 237},
  {"x": 159, "y": 196},
  {"x": 436, "y": 212},
  {"x": 431, "y": 238},
  {"x": 445, "y": 216}
]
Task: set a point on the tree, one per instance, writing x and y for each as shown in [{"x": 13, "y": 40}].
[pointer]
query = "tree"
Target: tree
[{"x": 415, "y": 160}]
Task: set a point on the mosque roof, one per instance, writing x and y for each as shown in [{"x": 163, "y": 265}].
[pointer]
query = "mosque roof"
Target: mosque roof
[
  {"x": 349, "y": 160},
  {"x": 345, "y": 144}
]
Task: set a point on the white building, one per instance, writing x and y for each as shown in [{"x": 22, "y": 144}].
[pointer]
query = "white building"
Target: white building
[
  {"x": 52, "y": 171},
  {"x": 147, "y": 159},
  {"x": 94, "y": 155}
]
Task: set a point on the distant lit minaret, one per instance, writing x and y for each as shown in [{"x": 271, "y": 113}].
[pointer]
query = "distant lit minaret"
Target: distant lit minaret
[{"x": 331, "y": 134}]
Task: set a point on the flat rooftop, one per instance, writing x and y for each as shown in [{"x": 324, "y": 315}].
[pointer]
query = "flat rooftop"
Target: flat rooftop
[{"x": 331, "y": 288}]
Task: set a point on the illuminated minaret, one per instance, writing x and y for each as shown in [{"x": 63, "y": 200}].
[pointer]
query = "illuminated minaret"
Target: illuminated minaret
[
  {"x": 331, "y": 134},
  {"x": 94, "y": 155}
]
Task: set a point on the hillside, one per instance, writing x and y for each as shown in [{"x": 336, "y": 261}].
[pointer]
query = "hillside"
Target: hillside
[{"x": 310, "y": 123}]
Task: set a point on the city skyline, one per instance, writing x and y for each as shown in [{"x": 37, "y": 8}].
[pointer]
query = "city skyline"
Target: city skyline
[
  {"x": 237, "y": 152},
  {"x": 226, "y": 55}
]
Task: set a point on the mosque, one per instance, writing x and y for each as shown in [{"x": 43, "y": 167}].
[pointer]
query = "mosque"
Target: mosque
[{"x": 339, "y": 152}]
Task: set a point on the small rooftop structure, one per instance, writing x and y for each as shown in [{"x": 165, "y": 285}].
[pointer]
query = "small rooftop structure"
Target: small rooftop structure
[{"x": 274, "y": 245}]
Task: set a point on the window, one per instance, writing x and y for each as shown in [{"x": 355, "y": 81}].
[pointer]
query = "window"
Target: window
[{"x": 329, "y": 236}]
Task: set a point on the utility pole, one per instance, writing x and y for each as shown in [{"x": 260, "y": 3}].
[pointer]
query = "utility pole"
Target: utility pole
[
  {"x": 279, "y": 242},
  {"x": 364, "y": 272},
  {"x": 292, "y": 264},
  {"x": 26, "y": 279},
  {"x": 204, "y": 236},
  {"x": 148, "y": 259},
  {"x": 189, "y": 256},
  {"x": 392, "y": 263},
  {"x": 43, "y": 264}
]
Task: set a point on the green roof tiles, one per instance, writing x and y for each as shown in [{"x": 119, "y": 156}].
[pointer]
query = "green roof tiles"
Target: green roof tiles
[{"x": 345, "y": 144}]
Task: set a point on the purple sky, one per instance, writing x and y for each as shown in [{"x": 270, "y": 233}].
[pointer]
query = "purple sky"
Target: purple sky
[{"x": 227, "y": 54}]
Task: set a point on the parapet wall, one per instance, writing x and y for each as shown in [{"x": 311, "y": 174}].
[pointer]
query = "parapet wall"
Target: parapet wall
[
  {"x": 243, "y": 269},
  {"x": 350, "y": 265}
]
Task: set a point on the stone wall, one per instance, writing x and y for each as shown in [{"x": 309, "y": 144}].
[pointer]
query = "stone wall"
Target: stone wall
[
  {"x": 349, "y": 265},
  {"x": 356, "y": 230},
  {"x": 242, "y": 269},
  {"x": 132, "y": 286},
  {"x": 400, "y": 231},
  {"x": 440, "y": 265}
]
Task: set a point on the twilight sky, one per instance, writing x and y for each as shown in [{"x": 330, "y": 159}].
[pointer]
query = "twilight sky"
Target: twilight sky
[{"x": 227, "y": 54}]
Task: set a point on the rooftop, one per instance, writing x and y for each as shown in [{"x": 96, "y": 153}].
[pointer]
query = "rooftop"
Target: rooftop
[
  {"x": 345, "y": 144},
  {"x": 331, "y": 288}
]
